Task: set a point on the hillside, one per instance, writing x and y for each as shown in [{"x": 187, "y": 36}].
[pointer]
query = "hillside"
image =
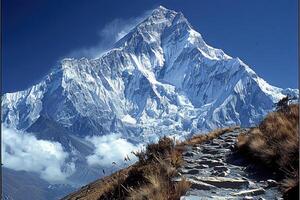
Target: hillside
[
  {"x": 275, "y": 144},
  {"x": 220, "y": 164},
  {"x": 151, "y": 177}
]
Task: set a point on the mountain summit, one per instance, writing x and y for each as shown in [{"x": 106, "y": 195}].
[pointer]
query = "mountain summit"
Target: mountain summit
[
  {"x": 161, "y": 74},
  {"x": 159, "y": 79}
]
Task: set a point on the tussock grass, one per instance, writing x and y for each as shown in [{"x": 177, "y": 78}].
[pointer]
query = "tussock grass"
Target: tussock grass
[
  {"x": 99, "y": 187},
  {"x": 151, "y": 177},
  {"x": 275, "y": 143},
  {"x": 159, "y": 185}
]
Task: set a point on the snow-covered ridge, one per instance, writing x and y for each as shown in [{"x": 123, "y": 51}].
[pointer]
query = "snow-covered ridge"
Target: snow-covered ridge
[{"x": 146, "y": 70}]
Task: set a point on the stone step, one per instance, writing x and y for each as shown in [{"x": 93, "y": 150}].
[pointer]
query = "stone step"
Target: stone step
[
  {"x": 223, "y": 182},
  {"x": 221, "y": 174},
  {"x": 190, "y": 161},
  {"x": 211, "y": 163},
  {"x": 253, "y": 192},
  {"x": 210, "y": 150},
  {"x": 271, "y": 183},
  {"x": 196, "y": 184},
  {"x": 199, "y": 185},
  {"x": 190, "y": 167},
  {"x": 193, "y": 171},
  {"x": 189, "y": 171},
  {"x": 202, "y": 166},
  {"x": 221, "y": 168},
  {"x": 189, "y": 154},
  {"x": 194, "y": 197}
]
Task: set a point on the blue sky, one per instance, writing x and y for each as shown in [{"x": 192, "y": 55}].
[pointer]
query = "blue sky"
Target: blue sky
[{"x": 38, "y": 33}]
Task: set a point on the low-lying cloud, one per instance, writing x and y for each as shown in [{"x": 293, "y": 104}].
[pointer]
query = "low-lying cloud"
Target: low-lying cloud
[
  {"x": 109, "y": 149},
  {"x": 109, "y": 35},
  {"x": 23, "y": 151}
]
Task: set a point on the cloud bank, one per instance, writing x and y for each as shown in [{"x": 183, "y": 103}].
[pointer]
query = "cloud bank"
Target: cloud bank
[
  {"x": 23, "y": 151},
  {"x": 109, "y": 35},
  {"x": 111, "y": 148}
]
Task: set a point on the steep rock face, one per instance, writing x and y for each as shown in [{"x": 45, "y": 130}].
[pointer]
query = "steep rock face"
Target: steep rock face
[{"x": 160, "y": 78}]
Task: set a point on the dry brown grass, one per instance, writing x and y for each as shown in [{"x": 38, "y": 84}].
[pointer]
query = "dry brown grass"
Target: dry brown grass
[
  {"x": 159, "y": 185},
  {"x": 290, "y": 186},
  {"x": 200, "y": 138},
  {"x": 158, "y": 164},
  {"x": 99, "y": 187},
  {"x": 275, "y": 142},
  {"x": 159, "y": 189},
  {"x": 151, "y": 177}
]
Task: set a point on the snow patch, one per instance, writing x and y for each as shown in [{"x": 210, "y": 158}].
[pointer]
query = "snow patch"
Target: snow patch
[{"x": 128, "y": 119}]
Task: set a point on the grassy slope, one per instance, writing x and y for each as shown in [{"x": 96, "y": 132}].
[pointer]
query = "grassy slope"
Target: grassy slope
[
  {"x": 275, "y": 143},
  {"x": 149, "y": 178}
]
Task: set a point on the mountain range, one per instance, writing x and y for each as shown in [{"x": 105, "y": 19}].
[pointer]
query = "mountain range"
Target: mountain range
[{"x": 159, "y": 79}]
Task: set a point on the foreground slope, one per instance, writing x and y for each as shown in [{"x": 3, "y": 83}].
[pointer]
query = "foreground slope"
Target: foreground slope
[
  {"x": 203, "y": 167},
  {"x": 233, "y": 163},
  {"x": 275, "y": 144}
]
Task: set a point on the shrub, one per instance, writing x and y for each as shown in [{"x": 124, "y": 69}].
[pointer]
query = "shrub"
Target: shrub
[
  {"x": 150, "y": 177},
  {"x": 275, "y": 142}
]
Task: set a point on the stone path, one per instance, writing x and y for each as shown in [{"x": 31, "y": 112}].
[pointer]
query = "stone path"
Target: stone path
[{"x": 216, "y": 171}]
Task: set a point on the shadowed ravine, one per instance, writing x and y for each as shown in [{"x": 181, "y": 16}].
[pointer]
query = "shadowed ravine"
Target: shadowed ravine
[{"x": 216, "y": 171}]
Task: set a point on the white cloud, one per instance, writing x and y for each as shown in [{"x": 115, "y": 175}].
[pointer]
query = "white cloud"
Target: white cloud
[
  {"x": 109, "y": 35},
  {"x": 23, "y": 151},
  {"x": 111, "y": 148}
]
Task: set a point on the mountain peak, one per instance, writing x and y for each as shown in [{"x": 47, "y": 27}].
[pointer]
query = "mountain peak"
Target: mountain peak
[
  {"x": 162, "y": 13},
  {"x": 161, "y": 9},
  {"x": 161, "y": 73},
  {"x": 160, "y": 23}
]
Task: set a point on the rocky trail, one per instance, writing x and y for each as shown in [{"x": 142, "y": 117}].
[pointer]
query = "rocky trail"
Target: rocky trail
[{"x": 216, "y": 171}]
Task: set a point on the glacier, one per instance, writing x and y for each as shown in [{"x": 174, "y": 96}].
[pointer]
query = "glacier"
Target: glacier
[{"x": 159, "y": 79}]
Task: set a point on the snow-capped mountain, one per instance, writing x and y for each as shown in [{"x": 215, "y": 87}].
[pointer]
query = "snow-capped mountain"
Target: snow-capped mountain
[{"x": 159, "y": 79}]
